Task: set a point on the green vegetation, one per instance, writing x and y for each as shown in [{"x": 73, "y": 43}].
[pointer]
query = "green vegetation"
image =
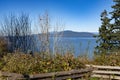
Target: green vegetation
[
  {"x": 107, "y": 52},
  {"x": 94, "y": 79},
  {"x": 104, "y": 35},
  {"x": 28, "y": 64},
  {"x": 109, "y": 32},
  {"x": 108, "y": 60},
  {"x": 3, "y": 47}
]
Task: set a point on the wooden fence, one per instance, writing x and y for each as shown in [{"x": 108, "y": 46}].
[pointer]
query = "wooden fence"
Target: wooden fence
[
  {"x": 110, "y": 72},
  {"x": 64, "y": 75}
]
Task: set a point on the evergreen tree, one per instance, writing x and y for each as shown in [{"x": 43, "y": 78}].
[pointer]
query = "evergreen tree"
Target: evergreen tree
[
  {"x": 116, "y": 25},
  {"x": 104, "y": 37},
  {"x": 109, "y": 32}
]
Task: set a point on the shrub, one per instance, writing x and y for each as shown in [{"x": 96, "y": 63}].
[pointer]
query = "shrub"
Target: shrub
[
  {"x": 3, "y": 46},
  {"x": 110, "y": 59},
  {"x": 28, "y": 64}
]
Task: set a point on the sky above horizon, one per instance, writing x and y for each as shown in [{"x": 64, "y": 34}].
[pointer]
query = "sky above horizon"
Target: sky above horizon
[{"x": 76, "y": 15}]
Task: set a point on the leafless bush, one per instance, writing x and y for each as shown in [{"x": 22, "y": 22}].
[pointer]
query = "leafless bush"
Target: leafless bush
[
  {"x": 57, "y": 37},
  {"x": 17, "y": 30},
  {"x": 44, "y": 26},
  {"x": 48, "y": 32}
]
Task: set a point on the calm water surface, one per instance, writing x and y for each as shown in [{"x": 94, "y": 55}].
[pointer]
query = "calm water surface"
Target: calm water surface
[{"x": 79, "y": 45}]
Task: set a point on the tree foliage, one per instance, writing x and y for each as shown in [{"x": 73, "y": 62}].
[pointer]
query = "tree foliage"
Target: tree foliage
[
  {"x": 104, "y": 34},
  {"x": 109, "y": 32},
  {"x": 116, "y": 25}
]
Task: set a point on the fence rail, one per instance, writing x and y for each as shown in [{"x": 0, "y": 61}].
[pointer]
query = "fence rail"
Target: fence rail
[
  {"x": 63, "y": 75},
  {"x": 111, "y": 72}
]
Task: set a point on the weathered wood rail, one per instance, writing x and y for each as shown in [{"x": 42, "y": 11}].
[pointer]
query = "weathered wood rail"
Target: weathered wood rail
[
  {"x": 63, "y": 75},
  {"x": 110, "y": 72}
]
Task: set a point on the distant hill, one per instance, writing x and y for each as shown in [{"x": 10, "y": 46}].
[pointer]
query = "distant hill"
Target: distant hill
[
  {"x": 76, "y": 34},
  {"x": 68, "y": 33}
]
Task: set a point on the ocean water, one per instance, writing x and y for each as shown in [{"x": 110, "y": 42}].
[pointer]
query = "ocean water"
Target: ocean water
[{"x": 77, "y": 45}]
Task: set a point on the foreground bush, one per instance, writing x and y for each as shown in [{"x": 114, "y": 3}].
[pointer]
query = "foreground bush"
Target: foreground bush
[
  {"x": 3, "y": 46},
  {"x": 108, "y": 60},
  {"x": 28, "y": 64}
]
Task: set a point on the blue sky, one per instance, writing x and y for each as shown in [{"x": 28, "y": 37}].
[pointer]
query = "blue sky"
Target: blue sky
[{"x": 77, "y": 15}]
